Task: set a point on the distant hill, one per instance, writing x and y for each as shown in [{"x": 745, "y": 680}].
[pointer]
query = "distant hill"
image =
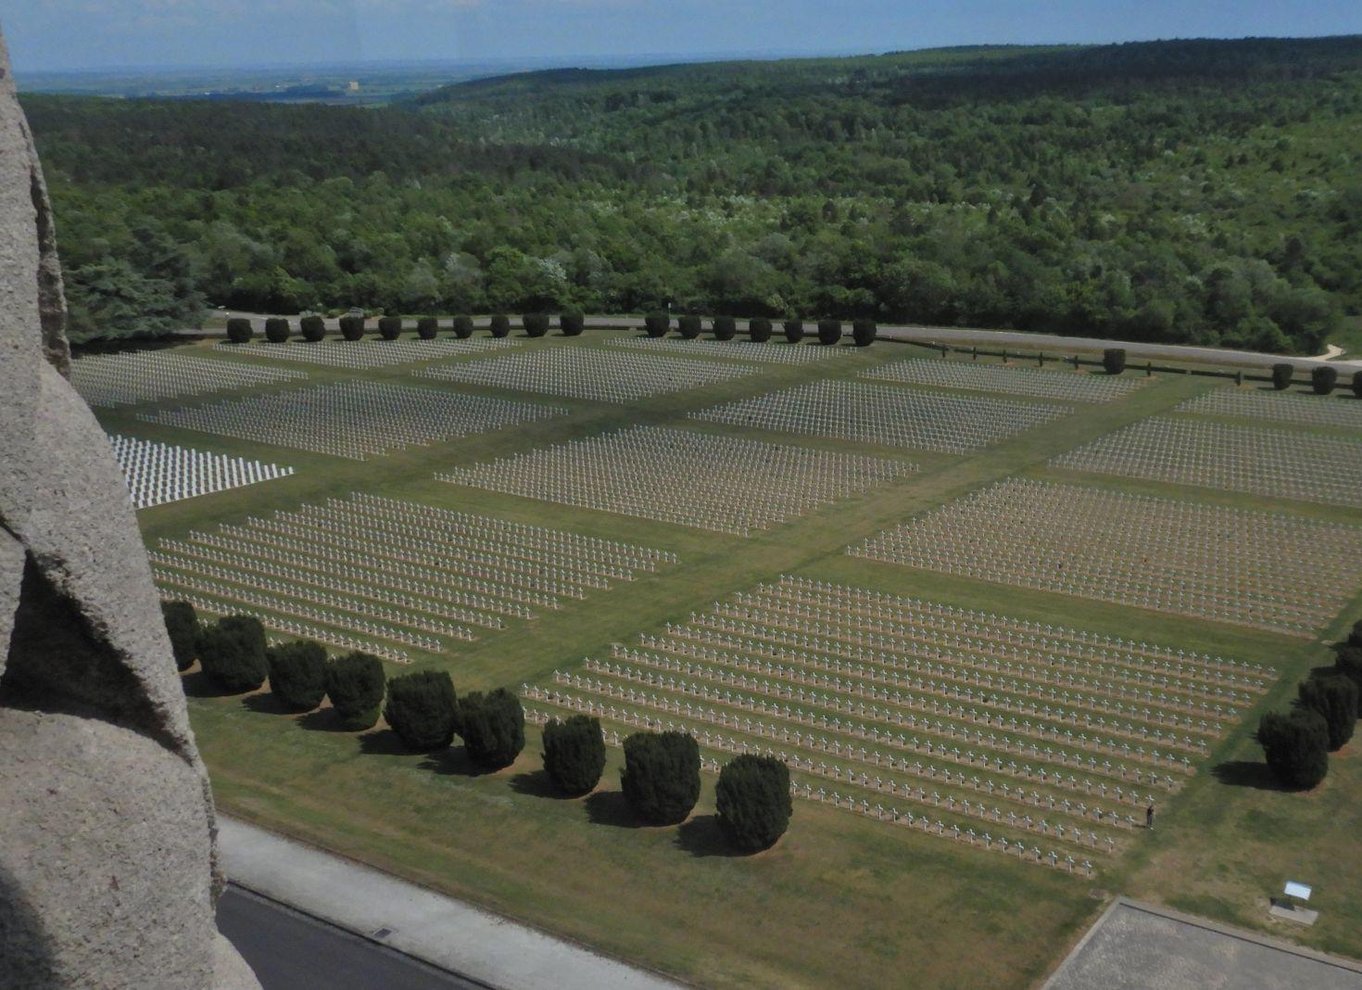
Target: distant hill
[{"x": 1200, "y": 191}]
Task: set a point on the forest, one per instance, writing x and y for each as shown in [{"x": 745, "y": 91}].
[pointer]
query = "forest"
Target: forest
[{"x": 1194, "y": 191}]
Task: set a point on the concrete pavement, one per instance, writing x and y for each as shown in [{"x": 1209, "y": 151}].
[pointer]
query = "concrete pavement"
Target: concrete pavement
[{"x": 419, "y": 922}]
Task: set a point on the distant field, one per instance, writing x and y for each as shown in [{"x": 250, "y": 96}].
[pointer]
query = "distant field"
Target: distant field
[{"x": 918, "y": 696}]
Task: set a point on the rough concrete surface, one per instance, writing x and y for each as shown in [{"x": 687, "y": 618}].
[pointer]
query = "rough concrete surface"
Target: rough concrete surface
[
  {"x": 107, "y": 836},
  {"x": 1136, "y": 946}
]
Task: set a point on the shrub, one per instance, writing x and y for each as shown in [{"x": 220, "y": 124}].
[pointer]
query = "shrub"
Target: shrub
[
  {"x": 1334, "y": 697},
  {"x": 493, "y": 728},
  {"x": 753, "y": 801},
  {"x": 1114, "y": 360},
  {"x": 574, "y": 753},
  {"x": 232, "y": 652},
  {"x": 1282, "y": 374},
  {"x": 1357, "y": 384},
  {"x": 535, "y": 324},
  {"x": 239, "y": 330},
  {"x": 1296, "y": 747},
  {"x": 298, "y": 673},
  {"x": 1349, "y": 664},
  {"x": 688, "y": 326},
  {"x": 182, "y": 625},
  {"x": 390, "y": 327},
  {"x": 794, "y": 330},
  {"x": 829, "y": 332},
  {"x": 1323, "y": 378},
  {"x": 661, "y": 776},
  {"x": 657, "y": 324},
  {"x": 463, "y": 327},
  {"x": 572, "y": 323},
  {"x": 354, "y": 683},
  {"x": 864, "y": 332},
  {"x": 313, "y": 328},
  {"x": 422, "y": 709},
  {"x": 500, "y": 325},
  {"x": 427, "y": 327},
  {"x": 725, "y": 327},
  {"x": 276, "y": 330},
  {"x": 1355, "y": 634},
  {"x": 352, "y": 327},
  {"x": 759, "y": 329}
]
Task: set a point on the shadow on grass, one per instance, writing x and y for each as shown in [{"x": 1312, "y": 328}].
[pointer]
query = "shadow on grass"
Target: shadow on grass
[
  {"x": 701, "y": 836},
  {"x": 454, "y": 762},
  {"x": 1243, "y": 773},
  {"x": 266, "y": 703},
  {"x": 197, "y": 684},
  {"x": 384, "y": 742},
  {"x": 610, "y": 808},
  {"x": 323, "y": 720},
  {"x": 536, "y": 783}
]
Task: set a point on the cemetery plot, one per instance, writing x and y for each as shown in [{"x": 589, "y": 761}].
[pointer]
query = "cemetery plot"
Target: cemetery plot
[
  {"x": 394, "y": 575},
  {"x": 720, "y": 483},
  {"x": 770, "y": 352},
  {"x": 149, "y": 376},
  {"x": 1268, "y": 570},
  {"x": 354, "y": 419},
  {"x": 1307, "y": 410},
  {"x": 887, "y": 415},
  {"x": 1276, "y": 463},
  {"x": 1067, "y": 386},
  {"x": 985, "y": 729},
  {"x": 157, "y": 473},
  {"x": 589, "y": 374},
  {"x": 360, "y": 354}
]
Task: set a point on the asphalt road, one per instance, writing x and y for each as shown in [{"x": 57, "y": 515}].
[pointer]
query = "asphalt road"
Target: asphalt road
[{"x": 291, "y": 951}]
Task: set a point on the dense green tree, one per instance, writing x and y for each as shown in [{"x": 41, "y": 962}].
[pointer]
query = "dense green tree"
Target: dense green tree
[
  {"x": 422, "y": 709},
  {"x": 1349, "y": 663},
  {"x": 352, "y": 327},
  {"x": 463, "y": 327},
  {"x": 1282, "y": 374},
  {"x": 1114, "y": 360},
  {"x": 759, "y": 329},
  {"x": 725, "y": 327},
  {"x": 1323, "y": 378},
  {"x": 239, "y": 330},
  {"x": 1357, "y": 384},
  {"x": 312, "y": 328},
  {"x": 656, "y": 324},
  {"x": 500, "y": 325},
  {"x": 863, "y": 332},
  {"x": 390, "y": 327},
  {"x": 427, "y": 327},
  {"x": 572, "y": 322},
  {"x": 794, "y": 330},
  {"x": 829, "y": 332},
  {"x": 574, "y": 753},
  {"x": 355, "y": 685},
  {"x": 753, "y": 802},
  {"x": 1296, "y": 747},
  {"x": 182, "y": 624},
  {"x": 493, "y": 728},
  {"x": 661, "y": 776},
  {"x": 1335, "y": 698},
  {"x": 232, "y": 653},
  {"x": 298, "y": 673},
  {"x": 688, "y": 326},
  {"x": 535, "y": 324},
  {"x": 276, "y": 330}
]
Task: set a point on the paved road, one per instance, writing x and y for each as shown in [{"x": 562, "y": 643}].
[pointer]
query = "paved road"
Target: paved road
[{"x": 291, "y": 951}]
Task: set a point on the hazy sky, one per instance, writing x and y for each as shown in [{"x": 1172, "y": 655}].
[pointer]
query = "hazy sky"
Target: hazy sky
[{"x": 73, "y": 34}]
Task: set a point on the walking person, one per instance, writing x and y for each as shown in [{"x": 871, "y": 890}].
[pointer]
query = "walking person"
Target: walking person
[{"x": 1149, "y": 817}]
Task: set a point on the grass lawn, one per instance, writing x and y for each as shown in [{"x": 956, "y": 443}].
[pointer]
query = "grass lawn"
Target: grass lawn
[{"x": 841, "y": 900}]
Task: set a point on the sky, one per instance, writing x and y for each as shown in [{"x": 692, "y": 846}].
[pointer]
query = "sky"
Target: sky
[{"x": 50, "y": 35}]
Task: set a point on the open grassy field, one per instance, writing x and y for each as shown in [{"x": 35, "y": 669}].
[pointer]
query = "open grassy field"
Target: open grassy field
[{"x": 843, "y": 899}]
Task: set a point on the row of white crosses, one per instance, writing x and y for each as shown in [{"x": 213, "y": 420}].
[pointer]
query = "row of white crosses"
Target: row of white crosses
[
  {"x": 584, "y": 373},
  {"x": 157, "y": 473},
  {"x": 1066, "y": 386},
  {"x": 1267, "y": 570},
  {"x": 888, "y": 415},
  {"x": 1277, "y": 463},
  {"x": 415, "y": 575},
  {"x": 149, "y": 376},
  {"x": 1281, "y": 407},
  {"x": 809, "y": 791},
  {"x": 362, "y": 354},
  {"x": 722, "y": 483},
  {"x": 776, "y": 351},
  {"x": 353, "y": 419}
]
